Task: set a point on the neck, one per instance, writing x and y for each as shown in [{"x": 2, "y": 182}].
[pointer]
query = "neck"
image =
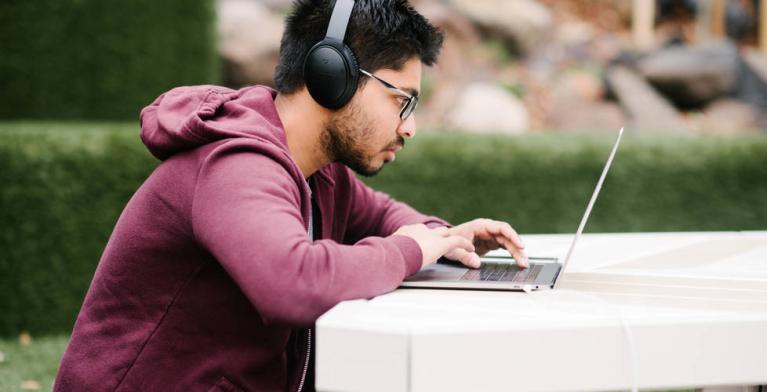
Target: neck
[{"x": 304, "y": 121}]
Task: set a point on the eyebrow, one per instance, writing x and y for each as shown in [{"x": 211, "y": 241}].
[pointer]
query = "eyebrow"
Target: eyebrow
[{"x": 411, "y": 91}]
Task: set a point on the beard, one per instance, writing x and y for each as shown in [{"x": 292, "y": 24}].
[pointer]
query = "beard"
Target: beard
[{"x": 346, "y": 137}]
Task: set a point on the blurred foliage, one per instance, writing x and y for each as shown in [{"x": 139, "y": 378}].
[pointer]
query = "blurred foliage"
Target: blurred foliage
[
  {"x": 516, "y": 88},
  {"x": 542, "y": 183},
  {"x": 64, "y": 187},
  {"x": 100, "y": 59},
  {"x": 427, "y": 87},
  {"x": 498, "y": 50},
  {"x": 65, "y": 184}
]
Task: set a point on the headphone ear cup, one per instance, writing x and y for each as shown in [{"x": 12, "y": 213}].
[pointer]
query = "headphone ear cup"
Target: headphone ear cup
[
  {"x": 353, "y": 77},
  {"x": 331, "y": 73}
]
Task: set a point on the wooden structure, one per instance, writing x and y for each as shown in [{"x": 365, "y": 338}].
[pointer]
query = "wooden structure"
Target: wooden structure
[
  {"x": 712, "y": 21},
  {"x": 763, "y": 26}
]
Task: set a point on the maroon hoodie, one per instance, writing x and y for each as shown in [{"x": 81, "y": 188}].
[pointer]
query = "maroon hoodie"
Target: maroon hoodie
[{"x": 209, "y": 279}]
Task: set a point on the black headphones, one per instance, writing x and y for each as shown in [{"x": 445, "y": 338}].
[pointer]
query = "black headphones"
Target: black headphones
[{"x": 331, "y": 72}]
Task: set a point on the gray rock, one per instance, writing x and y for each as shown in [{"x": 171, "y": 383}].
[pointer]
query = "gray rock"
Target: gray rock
[
  {"x": 692, "y": 76},
  {"x": 647, "y": 110},
  {"x": 487, "y": 108},
  {"x": 525, "y": 24},
  {"x": 588, "y": 116},
  {"x": 577, "y": 105},
  {"x": 460, "y": 37},
  {"x": 729, "y": 117},
  {"x": 575, "y": 33},
  {"x": 752, "y": 84},
  {"x": 248, "y": 41},
  {"x": 758, "y": 62}
]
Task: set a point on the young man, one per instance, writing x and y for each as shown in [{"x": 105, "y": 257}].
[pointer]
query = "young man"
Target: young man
[{"x": 254, "y": 224}]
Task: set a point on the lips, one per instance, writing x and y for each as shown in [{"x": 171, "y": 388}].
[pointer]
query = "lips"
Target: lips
[
  {"x": 397, "y": 145},
  {"x": 394, "y": 149}
]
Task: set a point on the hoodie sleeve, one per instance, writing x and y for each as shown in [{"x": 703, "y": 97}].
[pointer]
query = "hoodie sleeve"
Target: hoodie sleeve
[
  {"x": 375, "y": 213},
  {"x": 246, "y": 212}
]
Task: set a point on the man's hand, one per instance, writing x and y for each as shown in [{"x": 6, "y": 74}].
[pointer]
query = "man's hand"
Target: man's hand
[
  {"x": 487, "y": 235},
  {"x": 436, "y": 242}
]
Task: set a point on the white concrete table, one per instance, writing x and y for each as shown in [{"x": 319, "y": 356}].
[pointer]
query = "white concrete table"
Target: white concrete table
[{"x": 649, "y": 310}]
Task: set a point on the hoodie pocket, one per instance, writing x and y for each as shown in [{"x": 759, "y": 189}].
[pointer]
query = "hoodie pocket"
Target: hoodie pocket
[{"x": 224, "y": 385}]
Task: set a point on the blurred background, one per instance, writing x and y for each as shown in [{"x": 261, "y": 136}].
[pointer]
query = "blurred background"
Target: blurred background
[
  {"x": 671, "y": 66},
  {"x": 516, "y": 121},
  {"x": 510, "y": 67}
]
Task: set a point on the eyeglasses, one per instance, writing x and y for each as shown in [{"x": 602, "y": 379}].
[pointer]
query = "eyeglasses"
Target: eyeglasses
[{"x": 410, "y": 101}]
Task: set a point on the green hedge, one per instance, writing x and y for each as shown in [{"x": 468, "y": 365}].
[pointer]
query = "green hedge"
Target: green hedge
[
  {"x": 100, "y": 59},
  {"x": 64, "y": 185},
  {"x": 542, "y": 183}
]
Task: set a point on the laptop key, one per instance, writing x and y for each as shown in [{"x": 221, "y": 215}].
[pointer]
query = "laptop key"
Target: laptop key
[
  {"x": 535, "y": 270},
  {"x": 493, "y": 272},
  {"x": 510, "y": 276},
  {"x": 495, "y": 275},
  {"x": 488, "y": 271},
  {"x": 471, "y": 275},
  {"x": 521, "y": 275}
]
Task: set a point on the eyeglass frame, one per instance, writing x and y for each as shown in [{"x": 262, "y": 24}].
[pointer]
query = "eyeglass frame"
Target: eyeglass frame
[{"x": 411, "y": 102}]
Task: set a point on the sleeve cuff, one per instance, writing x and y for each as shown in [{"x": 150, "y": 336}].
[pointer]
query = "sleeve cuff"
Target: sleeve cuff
[
  {"x": 411, "y": 253},
  {"x": 434, "y": 225},
  {"x": 434, "y": 222}
]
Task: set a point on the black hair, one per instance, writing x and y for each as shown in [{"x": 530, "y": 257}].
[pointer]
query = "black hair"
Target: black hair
[{"x": 382, "y": 34}]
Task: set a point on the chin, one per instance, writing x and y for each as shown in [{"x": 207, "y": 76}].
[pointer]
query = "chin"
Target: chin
[
  {"x": 368, "y": 170},
  {"x": 372, "y": 172}
]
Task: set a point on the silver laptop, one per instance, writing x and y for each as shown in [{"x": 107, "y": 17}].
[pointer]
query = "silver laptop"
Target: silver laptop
[{"x": 501, "y": 272}]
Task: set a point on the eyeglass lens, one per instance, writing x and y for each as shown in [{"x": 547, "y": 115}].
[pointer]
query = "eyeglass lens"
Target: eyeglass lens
[{"x": 408, "y": 109}]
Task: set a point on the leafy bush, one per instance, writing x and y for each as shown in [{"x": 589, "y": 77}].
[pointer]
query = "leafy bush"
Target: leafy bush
[
  {"x": 100, "y": 59},
  {"x": 64, "y": 186}
]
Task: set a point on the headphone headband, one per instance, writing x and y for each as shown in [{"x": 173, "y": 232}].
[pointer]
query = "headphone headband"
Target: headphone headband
[{"x": 339, "y": 19}]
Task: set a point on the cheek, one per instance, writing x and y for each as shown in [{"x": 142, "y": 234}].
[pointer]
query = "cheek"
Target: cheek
[
  {"x": 385, "y": 125},
  {"x": 380, "y": 130},
  {"x": 380, "y": 119}
]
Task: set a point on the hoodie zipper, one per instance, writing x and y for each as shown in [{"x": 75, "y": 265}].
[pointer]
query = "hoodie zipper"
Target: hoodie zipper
[
  {"x": 306, "y": 363},
  {"x": 310, "y": 230}
]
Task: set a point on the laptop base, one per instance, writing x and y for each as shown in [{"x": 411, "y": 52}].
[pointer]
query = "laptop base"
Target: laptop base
[{"x": 498, "y": 274}]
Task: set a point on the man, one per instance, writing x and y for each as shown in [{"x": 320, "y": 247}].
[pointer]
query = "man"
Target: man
[{"x": 254, "y": 225}]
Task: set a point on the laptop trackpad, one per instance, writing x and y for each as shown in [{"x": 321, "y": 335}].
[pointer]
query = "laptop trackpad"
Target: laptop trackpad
[{"x": 439, "y": 271}]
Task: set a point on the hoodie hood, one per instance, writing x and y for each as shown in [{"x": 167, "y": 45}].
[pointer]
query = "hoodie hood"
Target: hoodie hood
[{"x": 188, "y": 117}]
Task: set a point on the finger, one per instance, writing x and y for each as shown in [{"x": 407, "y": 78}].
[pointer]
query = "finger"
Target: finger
[
  {"x": 469, "y": 259},
  {"x": 509, "y": 232},
  {"x": 505, "y": 229},
  {"x": 519, "y": 255}
]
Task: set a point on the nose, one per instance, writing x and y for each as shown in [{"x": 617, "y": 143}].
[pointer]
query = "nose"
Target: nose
[{"x": 407, "y": 127}]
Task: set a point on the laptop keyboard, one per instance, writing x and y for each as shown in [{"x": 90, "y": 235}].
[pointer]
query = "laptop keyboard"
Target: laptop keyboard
[{"x": 503, "y": 272}]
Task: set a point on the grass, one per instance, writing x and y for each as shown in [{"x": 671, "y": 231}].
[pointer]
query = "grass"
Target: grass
[{"x": 30, "y": 365}]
